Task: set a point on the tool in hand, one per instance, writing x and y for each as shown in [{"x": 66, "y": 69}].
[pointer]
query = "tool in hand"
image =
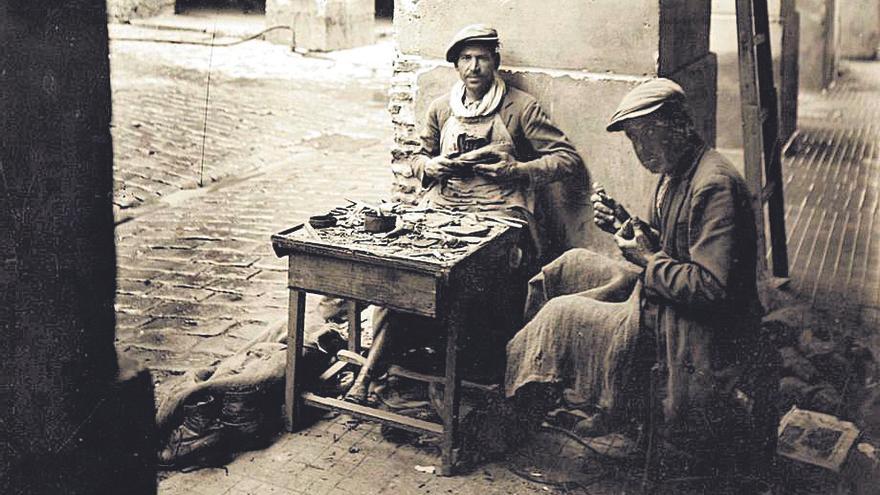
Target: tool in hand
[
  {"x": 628, "y": 231},
  {"x": 620, "y": 212}
]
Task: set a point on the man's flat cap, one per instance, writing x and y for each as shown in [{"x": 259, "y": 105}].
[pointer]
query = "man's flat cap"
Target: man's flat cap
[
  {"x": 644, "y": 99},
  {"x": 474, "y": 32}
]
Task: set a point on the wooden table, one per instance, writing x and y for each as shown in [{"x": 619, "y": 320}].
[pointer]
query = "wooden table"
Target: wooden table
[{"x": 432, "y": 288}]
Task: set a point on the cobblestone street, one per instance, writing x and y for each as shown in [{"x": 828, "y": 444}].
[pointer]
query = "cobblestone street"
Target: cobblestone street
[
  {"x": 263, "y": 101},
  {"x": 197, "y": 276}
]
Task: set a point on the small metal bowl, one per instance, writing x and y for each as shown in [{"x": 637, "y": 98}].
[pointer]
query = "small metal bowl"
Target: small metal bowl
[{"x": 322, "y": 221}]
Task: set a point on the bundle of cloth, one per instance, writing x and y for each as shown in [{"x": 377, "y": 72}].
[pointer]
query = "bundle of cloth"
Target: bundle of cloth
[{"x": 572, "y": 312}]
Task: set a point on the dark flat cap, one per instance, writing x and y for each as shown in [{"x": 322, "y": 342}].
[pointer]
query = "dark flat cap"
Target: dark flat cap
[
  {"x": 644, "y": 99},
  {"x": 472, "y": 33}
]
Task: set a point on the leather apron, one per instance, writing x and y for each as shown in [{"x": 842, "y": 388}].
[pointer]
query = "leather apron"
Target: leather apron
[{"x": 474, "y": 192}]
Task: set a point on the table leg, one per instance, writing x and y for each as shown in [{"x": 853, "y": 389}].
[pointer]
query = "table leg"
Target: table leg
[
  {"x": 452, "y": 391},
  {"x": 295, "y": 330},
  {"x": 354, "y": 326}
]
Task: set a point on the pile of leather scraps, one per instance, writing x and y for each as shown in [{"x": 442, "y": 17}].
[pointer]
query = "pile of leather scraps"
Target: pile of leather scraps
[{"x": 430, "y": 234}]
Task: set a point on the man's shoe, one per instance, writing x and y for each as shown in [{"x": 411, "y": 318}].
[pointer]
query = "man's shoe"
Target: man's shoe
[{"x": 187, "y": 448}]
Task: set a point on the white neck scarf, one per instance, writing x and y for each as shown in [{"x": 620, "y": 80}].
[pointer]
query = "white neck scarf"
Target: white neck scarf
[{"x": 490, "y": 102}]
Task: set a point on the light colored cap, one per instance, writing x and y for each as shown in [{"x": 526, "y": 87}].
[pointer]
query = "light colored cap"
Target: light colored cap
[
  {"x": 644, "y": 99},
  {"x": 474, "y": 32}
]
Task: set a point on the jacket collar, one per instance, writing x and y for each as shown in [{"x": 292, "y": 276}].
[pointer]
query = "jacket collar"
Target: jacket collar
[{"x": 688, "y": 163}]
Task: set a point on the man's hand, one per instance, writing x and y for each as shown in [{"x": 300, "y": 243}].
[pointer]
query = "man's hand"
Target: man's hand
[
  {"x": 637, "y": 249},
  {"x": 494, "y": 161},
  {"x": 439, "y": 167},
  {"x": 506, "y": 168},
  {"x": 603, "y": 211}
]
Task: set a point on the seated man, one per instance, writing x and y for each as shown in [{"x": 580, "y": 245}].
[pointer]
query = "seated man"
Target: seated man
[
  {"x": 686, "y": 303},
  {"x": 488, "y": 148}
]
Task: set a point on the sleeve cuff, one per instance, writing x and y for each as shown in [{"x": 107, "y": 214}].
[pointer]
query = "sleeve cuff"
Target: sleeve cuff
[
  {"x": 418, "y": 166},
  {"x": 653, "y": 259},
  {"x": 530, "y": 173}
]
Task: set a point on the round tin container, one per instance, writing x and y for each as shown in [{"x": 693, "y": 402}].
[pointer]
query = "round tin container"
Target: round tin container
[{"x": 374, "y": 222}]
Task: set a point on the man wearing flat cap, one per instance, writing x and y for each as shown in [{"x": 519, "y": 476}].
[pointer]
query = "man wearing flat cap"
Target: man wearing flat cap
[
  {"x": 490, "y": 148},
  {"x": 686, "y": 305}
]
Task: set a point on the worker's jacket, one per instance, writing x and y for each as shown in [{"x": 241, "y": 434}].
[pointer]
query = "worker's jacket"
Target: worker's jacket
[
  {"x": 701, "y": 296},
  {"x": 555, "y": 170}
]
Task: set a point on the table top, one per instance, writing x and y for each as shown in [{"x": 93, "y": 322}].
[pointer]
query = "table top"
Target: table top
[{"x": 425, "y": 239}]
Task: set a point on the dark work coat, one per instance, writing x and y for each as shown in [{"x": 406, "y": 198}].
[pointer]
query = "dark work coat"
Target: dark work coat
[{"x": 700, "y": 296}]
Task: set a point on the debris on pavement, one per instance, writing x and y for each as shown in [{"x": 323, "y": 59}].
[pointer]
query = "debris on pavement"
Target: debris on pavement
[
  {"x": 426, "y": 469},
  {"x": 815, "y": 438}
]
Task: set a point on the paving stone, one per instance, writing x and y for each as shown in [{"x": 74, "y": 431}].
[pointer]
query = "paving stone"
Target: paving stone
[
  {"x": 210, "y": 328},
  {"x": 158, "y": 340},
  {"x": 219, "y": 347},
  {"x": 254, "y": 487},
  {"x": 134, "y": 304},
  {"x": 249, "y": 329},
  {"x": 271, "y": 265},
  {"x": 234, "y": 286},
  {"x": 134, "y": 287},
  {"x": 325, "y": 483},
  {"x": 270, "y": 276},
  {"x": 226, "y": 258},
  {"x": 126, "y": 270},
  {"x": 183, "y": 280},
  {"x": 171, "y": 266},
  {"x": 181, "y": 483},
  {"x": 172, "y": 308},
  {"x": 128, "y": 321},
  {"x": 286, "y": 474},
  {"x": 171, "y": 324},
  {"x": 230, "y": 272},
  {"x": 181, "y": 292},
  {"x": 216, "y": 481},
  {"x": 177, "y": 244}
]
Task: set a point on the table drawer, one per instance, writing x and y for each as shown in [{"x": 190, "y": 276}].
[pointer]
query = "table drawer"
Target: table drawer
[{"x": 399, "y": 288}]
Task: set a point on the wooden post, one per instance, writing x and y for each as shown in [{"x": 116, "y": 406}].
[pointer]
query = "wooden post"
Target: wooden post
[
  {"x": 789, "y": 70},
  {"x": 452, "y": 388},
  {"x": 830, "y": 55},
  {"x": 753, "y": 139},
  {"x": 761, "y": 129},
  {"x": 295, "y": 334}
]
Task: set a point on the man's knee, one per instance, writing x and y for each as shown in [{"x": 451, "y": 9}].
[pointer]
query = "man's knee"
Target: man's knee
[
  {"x": 560, "y": 308},
  {"x": 576, "y": 256}
]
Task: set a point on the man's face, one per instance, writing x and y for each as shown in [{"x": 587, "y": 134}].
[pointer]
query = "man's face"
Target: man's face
[
  {"x": 476, "y": 67},
  {"x": 654, "y": 142}
]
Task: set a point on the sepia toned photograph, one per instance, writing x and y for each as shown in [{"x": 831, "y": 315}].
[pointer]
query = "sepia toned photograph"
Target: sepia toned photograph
[{"x": 430, "y": 247}]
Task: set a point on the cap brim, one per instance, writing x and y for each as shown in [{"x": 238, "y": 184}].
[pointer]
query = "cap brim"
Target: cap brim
[
  {"x": 616, "y": 123},
  {"x": 450, "y": 57}
]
